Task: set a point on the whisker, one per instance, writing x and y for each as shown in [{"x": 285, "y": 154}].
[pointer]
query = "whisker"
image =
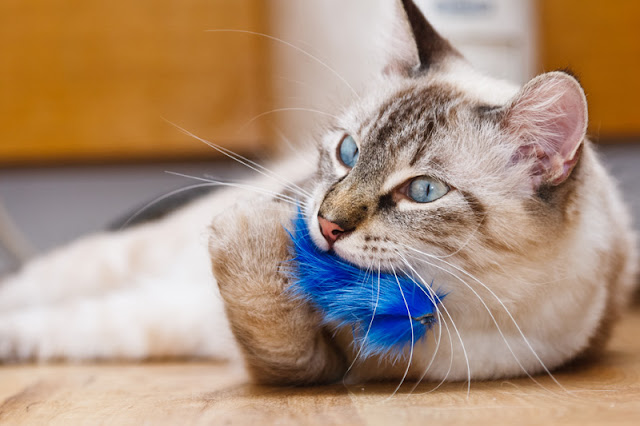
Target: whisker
[
  {"x": 163, "y": 197},
  {"x": 294, "y": 47},
  {"x": 293, "y": 149},
  {"x": 441, "y": 320},
  {"x": 515, "y": 323},
  {"x": 304, "y": 84},
  {"x": 243, "y": 160},
  {"x": 364, "y": 340},
  {"x": 406, "y": 372},
  {"x": 276, "y": 195},
  {"x": 444, "y": 379},
  {"x": 316, "y": 111},
  {"x": 493, "y": 318},
  {"x": 463, "y": 245},
  {"x": 464, "y": 350},
  {"x": 273, "y": 209}
]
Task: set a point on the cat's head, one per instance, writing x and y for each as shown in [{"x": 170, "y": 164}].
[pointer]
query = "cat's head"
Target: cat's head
[{"x": 440, "y": 159}]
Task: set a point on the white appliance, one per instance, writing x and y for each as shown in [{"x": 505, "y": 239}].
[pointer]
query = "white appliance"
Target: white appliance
[{"x": 497, "y": 36}]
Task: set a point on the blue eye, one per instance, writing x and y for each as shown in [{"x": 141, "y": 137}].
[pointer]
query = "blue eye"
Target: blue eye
[
  {"x": 348, "y": 151},
  {"x": 426, "y": 190}
]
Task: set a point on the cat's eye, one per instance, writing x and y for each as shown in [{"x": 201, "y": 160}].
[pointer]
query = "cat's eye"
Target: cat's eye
[
  {"x": 425, "y": 189},
  {"x": 348, "y": 151}
]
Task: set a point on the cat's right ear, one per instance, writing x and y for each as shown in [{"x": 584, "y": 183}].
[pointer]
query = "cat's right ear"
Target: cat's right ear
[
  {"x": 548, "y": 121},
  {"x": 415, "y": 46}
]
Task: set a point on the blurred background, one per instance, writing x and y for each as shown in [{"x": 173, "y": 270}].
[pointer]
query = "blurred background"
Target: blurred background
[{"x": 91, "y": 91}]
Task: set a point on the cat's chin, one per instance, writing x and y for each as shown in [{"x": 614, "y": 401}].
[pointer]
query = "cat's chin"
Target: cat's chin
[{"x": 345, "y": 254}]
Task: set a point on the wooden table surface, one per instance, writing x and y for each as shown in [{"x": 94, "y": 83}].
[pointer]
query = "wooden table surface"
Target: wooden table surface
[{"x": 604, "y": 392}]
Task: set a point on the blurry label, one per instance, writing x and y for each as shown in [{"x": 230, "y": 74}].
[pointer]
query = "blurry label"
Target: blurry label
[{"x": 465, "y": 7}]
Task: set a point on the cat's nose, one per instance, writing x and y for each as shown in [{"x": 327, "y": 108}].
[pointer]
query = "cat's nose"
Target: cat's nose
[{"x": 330, "y": 231}]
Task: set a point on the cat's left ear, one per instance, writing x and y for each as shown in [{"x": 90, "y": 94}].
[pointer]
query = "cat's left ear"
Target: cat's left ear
[
  {"x": 415, "y": 46},
  {"x": 548, "y": 119}
]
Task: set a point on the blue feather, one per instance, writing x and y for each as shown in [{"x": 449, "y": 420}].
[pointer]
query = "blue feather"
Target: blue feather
[{"x": 374, "y": 305}]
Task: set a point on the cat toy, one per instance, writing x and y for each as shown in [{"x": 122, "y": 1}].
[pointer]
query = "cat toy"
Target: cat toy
[{"x": 386, "y": 311}]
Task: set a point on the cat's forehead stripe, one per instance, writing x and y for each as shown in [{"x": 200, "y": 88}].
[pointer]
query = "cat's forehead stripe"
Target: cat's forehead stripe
[
  {"x": 421, "y": 149},
  {"x": 413, "y": 115}
]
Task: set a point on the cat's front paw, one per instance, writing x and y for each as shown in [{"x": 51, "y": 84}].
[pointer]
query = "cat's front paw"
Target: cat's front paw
[
  {"x": 249, "y": 247},
  {"x": 281, "y": 337}
]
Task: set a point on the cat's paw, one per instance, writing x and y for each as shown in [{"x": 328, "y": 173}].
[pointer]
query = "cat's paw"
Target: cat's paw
[
  {"x": 249, "y": 247},
  {"x": 282, "y": 337}
]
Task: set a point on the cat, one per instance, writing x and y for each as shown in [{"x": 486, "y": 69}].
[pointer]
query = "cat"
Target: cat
[{"x": 488, "y": 192}]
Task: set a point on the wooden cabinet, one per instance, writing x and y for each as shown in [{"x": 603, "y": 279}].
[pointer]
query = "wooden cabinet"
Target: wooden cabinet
[
  {"x": 93, "y": 80},
  {"x": 600, "y": 40}
]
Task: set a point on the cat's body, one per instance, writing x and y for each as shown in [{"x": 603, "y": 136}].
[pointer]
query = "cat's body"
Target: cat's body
[{"x": 528, "y": 238}]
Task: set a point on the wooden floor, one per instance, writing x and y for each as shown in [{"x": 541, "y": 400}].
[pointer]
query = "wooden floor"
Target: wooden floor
[{"x": 606, "y": 392}]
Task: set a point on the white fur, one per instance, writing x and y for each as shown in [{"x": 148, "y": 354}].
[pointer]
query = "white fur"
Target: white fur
[{"x": 144, "y": 292}]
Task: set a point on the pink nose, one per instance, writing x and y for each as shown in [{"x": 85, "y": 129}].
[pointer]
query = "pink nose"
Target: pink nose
[{"x": 330, "y": 231}]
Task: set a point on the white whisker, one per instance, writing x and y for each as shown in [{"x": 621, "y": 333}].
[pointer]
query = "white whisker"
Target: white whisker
[
  {"x": 463, "y": 245},
  {"x": 441, "y": 320},
  {"x": 490, "y": 314},
  {"x": 163, "y": 197},
  {"x": 364, "y": 339},
  {"x": 292, "y": 46},
  {"x": 300, "y": 155},
  {"x": 406, "y": 372},
  {"x": 316, "y": 111},
  {"x": 493, "y": 317},
  {"x": 312, "y": 87},
  {"x": 244, "y": 161},
  {"x": 276, "y": 195},
  {"x": 464, "y": 350}
]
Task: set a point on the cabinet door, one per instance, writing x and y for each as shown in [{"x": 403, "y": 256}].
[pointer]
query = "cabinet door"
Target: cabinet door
[
  {"x": 600, "y": 40},
  {"x": 93, "y": 80}
]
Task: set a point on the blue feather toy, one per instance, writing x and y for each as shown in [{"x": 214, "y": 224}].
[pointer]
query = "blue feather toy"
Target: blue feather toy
[{"x": 386, "y": 312}]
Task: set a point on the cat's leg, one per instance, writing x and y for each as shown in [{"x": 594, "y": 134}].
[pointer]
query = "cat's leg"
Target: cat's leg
[
  {"x": 86, "y": 267},
  {"x": 145, "y": 321},
  {"x": 281, "y": 338},
  {"x": 103, "y": 262},
  {"x": 147, "y": 291}
]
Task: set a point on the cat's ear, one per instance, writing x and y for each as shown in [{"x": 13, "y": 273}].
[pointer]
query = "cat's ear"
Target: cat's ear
[
  {"x": 415, "y": 46},
  {"x": 548, "y": 119}
]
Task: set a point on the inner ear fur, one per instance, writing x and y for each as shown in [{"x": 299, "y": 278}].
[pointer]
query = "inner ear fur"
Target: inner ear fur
[{"x": 548, "y": 121}]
